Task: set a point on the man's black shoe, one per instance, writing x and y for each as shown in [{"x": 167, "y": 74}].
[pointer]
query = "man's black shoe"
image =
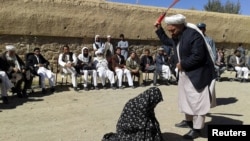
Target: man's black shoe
[
  {"x": 24, "y": 93},
  {"x": 44, "y": 91},
  {"x": 76, "y": 89},
  {"x": 113, "y": 87},
  {"x": 19, "y": 95},
  {"x": 52, "y": 89},
  {"x": 142, "y": 85},
  {"x": 5, "y": 100},
  {"x": 86, "y": 89},
  {"x": 96, "y": 88},
  {"x": 13, "y": 90},
  {"x": 184, "y": 124},
  {"x": 192, "y": 134}
]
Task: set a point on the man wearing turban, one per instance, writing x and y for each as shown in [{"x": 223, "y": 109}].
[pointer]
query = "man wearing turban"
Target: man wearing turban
[
  {"x": 16, "y": 70},
  {"x": 195, "y": 62}
]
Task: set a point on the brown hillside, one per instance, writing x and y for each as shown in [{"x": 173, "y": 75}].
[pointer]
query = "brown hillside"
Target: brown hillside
[{"x": 85, "y": 18}]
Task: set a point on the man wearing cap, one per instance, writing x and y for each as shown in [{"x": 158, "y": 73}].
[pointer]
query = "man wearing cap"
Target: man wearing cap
[
  {"x": 97, "y": 44},
  {"x": 102, "y": 69},
  {"x": 195, "y": 63},
  {"x": 108, "y": 49},
  {"x": 210, "y": 41},
  {"x": 162, "y": 66},
  {"x": 16, "y": 70},
  {"x": 133, "y": 65}
]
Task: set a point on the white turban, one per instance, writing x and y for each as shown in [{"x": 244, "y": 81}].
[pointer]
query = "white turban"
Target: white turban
[
  {"x": 175, "y": 19},
  {"x": 108, "y": 36},
  {"x": 159, "y": 49},
  {"x": 10, "y": 47},
  {"x": 96, "y": 36},
  {"x": 99, "y": 51}
]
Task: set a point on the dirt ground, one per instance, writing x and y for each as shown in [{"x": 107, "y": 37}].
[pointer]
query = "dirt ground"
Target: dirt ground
[{"x": 86, "y": 116}]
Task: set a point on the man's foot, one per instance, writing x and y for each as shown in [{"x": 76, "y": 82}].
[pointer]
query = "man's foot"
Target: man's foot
[
  {"x": 120, "y": 87},
  {"x": 13, "y": 90},
  {"x": 192, "y": 134},
  {"x": 86, "y": 89},
  {"x": 96, "y": 88},
  {"x": 133, "y": 87},
  {"x": 104, "y": 87},
  {"x": 142, "y": 85},
  {"x": 184, "y": 124},
  {"x": 113, "y": 87},
  {"x": 52, "y": 89},
  {"x": 76, "y": 89},
  {"x": 24, "y": 93},
  {"x": 19, "y": 95},
  {"x": 243, "y": 80},
  {"x": 167, "y": 82},
  {"x": 44, "y": 91},
  {"x": 5, "y": 100}
]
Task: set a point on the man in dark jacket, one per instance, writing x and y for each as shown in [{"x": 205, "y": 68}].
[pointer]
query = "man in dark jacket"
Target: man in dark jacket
[
  {"x": 195, "y": 65},
  {"x": 147, "y": 62},
  {"x": 38, "y": 64}
]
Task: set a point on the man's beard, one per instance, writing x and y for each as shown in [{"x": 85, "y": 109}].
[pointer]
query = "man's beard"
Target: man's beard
[{"x": 85, "y": 54}]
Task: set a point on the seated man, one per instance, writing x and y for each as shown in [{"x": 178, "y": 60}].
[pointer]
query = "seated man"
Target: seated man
[
  {"x": 147, "y": 62},
  {"x": 5, "y": 85},
  {"x": 103, "y": 71},
  {"x": 119, "y": 67},
  {"x": 162, "y": 66},
  {"x": 67, "y": 60},
  {"x": 133, "y": 66},
  {"x": 138, "y": 121},
  {"x": 86, "y": 66},
  {"x": 38, "y": 65},
  {"x": 16, "y": 70},
  {"x": 220, "y": 65},
  {"x": 238, "y": 63}
]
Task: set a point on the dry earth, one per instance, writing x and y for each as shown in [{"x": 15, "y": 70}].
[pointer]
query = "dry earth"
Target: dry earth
[{"x": 87, "y": 116}]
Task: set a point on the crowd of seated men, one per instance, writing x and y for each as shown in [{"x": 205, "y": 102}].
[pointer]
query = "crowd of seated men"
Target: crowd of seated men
[{"x": 105, "y": 64}]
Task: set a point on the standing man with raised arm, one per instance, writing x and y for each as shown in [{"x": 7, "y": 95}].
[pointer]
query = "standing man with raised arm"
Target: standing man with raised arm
[{"x": 196, "y": 71}]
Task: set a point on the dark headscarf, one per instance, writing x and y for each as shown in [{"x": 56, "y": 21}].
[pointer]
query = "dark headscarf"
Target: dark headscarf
[{"x": 137, "y": 121}]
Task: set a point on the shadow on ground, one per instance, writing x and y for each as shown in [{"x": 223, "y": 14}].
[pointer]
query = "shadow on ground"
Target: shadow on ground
[
  {"x": 226, "y": 101},
  {"x": 35, "y": 96},
  {"x": 167, "y": 136}
]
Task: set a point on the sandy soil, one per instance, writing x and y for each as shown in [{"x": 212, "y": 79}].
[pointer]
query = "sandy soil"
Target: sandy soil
[{"x": 87, "y": 116}]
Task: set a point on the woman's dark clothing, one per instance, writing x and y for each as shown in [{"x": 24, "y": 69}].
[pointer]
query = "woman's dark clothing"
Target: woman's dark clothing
[{"x": 137, "y": 121}]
